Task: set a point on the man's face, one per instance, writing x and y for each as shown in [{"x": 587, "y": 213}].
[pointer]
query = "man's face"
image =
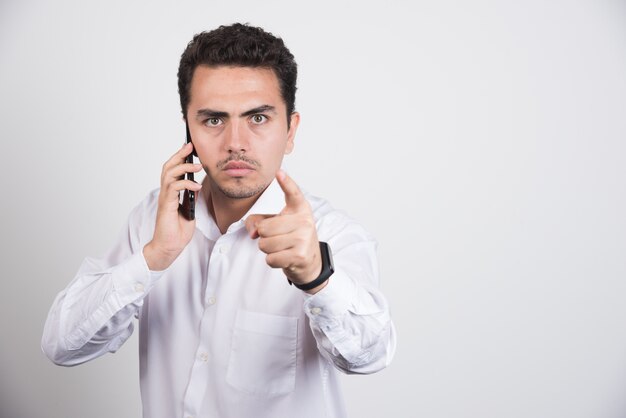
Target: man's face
[{"x": 238, "y": 124}]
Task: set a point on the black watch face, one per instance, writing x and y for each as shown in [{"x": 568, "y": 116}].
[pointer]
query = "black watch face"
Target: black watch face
[
  {"x": 331, "y": 263},
  {"x": 327, "y": 259}
]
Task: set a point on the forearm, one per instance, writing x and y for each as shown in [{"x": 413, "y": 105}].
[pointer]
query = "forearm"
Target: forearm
[
  {"x": 352, "y": 325},
  {"x": 94, "y": 314}
]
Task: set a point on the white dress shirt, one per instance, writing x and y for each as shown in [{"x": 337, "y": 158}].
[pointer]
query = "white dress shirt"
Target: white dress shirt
[{"x": 222, "y": 334}]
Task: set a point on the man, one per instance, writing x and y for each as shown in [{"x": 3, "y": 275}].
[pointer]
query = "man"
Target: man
[{"x": 222, "y": 332}]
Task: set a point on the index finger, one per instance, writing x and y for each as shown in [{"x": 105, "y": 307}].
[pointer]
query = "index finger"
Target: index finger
[
  {"x": 179, "y": 156},
  {"x": 293, "y": 195}
]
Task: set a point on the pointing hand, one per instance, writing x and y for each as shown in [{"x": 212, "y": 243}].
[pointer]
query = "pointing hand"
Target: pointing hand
[{"x": 289, "y": 238}]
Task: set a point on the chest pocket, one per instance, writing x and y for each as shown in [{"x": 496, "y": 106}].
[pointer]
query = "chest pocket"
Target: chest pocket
[{"x": 263, "y": 354}]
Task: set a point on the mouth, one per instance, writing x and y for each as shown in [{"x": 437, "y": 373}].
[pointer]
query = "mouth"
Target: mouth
[{"x": 237, "y": 168}]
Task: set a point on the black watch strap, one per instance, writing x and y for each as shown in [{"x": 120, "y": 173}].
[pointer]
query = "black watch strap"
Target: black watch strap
[{"x": 328, "y": 269}]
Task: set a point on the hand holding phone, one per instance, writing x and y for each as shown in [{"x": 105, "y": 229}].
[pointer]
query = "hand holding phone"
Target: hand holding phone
[{"x": 171, "y": 233}]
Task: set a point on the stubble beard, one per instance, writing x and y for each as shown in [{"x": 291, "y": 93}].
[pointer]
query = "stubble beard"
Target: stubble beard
[{"x": 241, "y": 191}]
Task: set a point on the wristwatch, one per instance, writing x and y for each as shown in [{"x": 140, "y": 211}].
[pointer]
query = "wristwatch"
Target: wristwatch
[{"x": 328, "y": 268}]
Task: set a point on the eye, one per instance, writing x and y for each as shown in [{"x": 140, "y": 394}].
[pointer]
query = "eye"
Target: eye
[
  {"x": 258, "y": 119},
  {"x": 213, "y": 122}
]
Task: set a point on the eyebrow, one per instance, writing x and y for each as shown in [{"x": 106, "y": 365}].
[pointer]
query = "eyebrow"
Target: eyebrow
[
  {"x": 260, "y": 109},
  {"x": 210, "y": 113}
]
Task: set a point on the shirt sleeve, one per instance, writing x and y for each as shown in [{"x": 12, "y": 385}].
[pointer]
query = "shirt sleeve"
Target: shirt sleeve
[
  {"x": 350, "y": 317},
  {"x": 94, "y": 314}
]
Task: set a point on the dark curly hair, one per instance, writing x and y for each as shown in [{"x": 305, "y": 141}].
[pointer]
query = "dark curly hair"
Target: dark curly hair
[{"x": 243, "y": 46}]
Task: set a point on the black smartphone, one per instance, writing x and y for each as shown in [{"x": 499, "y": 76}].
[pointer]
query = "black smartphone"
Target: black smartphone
[{"x": 188, "y": 207}]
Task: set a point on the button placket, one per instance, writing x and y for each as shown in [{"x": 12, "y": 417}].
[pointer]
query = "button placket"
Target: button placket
[
  {"x": 215, "y": 264},
  {"x": 198, "y": 381}
]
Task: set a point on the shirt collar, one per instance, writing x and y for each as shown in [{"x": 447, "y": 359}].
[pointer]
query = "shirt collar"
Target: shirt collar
[
  {"x": 271, "y": 201},
  {"x": 204, "y": 221}
]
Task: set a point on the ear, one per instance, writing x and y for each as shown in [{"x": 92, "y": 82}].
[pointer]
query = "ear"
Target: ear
[{"x": 291, "y": 134}]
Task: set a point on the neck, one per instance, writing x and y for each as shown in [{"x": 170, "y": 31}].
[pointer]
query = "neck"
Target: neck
[{"x": 225, "y": 210}]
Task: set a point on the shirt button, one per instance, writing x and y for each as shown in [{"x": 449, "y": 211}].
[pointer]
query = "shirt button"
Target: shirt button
[
  {"x": 316, "y": 310},
  {"x": 223, "y": 249},
  {"x": 139, "y": 287},
  {"x": 204, "y": 357},
  {"x": 211, "y": 301}
]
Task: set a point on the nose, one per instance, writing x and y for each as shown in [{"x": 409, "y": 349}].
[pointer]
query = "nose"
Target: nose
[{"x": 236, "y": 137}]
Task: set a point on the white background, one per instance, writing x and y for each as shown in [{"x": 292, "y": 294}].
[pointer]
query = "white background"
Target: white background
[{"x": 482, "y": 142}]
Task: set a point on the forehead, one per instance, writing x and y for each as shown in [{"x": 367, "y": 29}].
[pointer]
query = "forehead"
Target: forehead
[{"x": 234, "y": 88}]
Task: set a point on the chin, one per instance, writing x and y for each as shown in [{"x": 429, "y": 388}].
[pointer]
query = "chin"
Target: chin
[{"x": 241, "y": 191}]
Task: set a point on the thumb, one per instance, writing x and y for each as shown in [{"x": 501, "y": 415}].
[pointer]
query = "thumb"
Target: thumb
[{"x": 252, "y": 222}]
